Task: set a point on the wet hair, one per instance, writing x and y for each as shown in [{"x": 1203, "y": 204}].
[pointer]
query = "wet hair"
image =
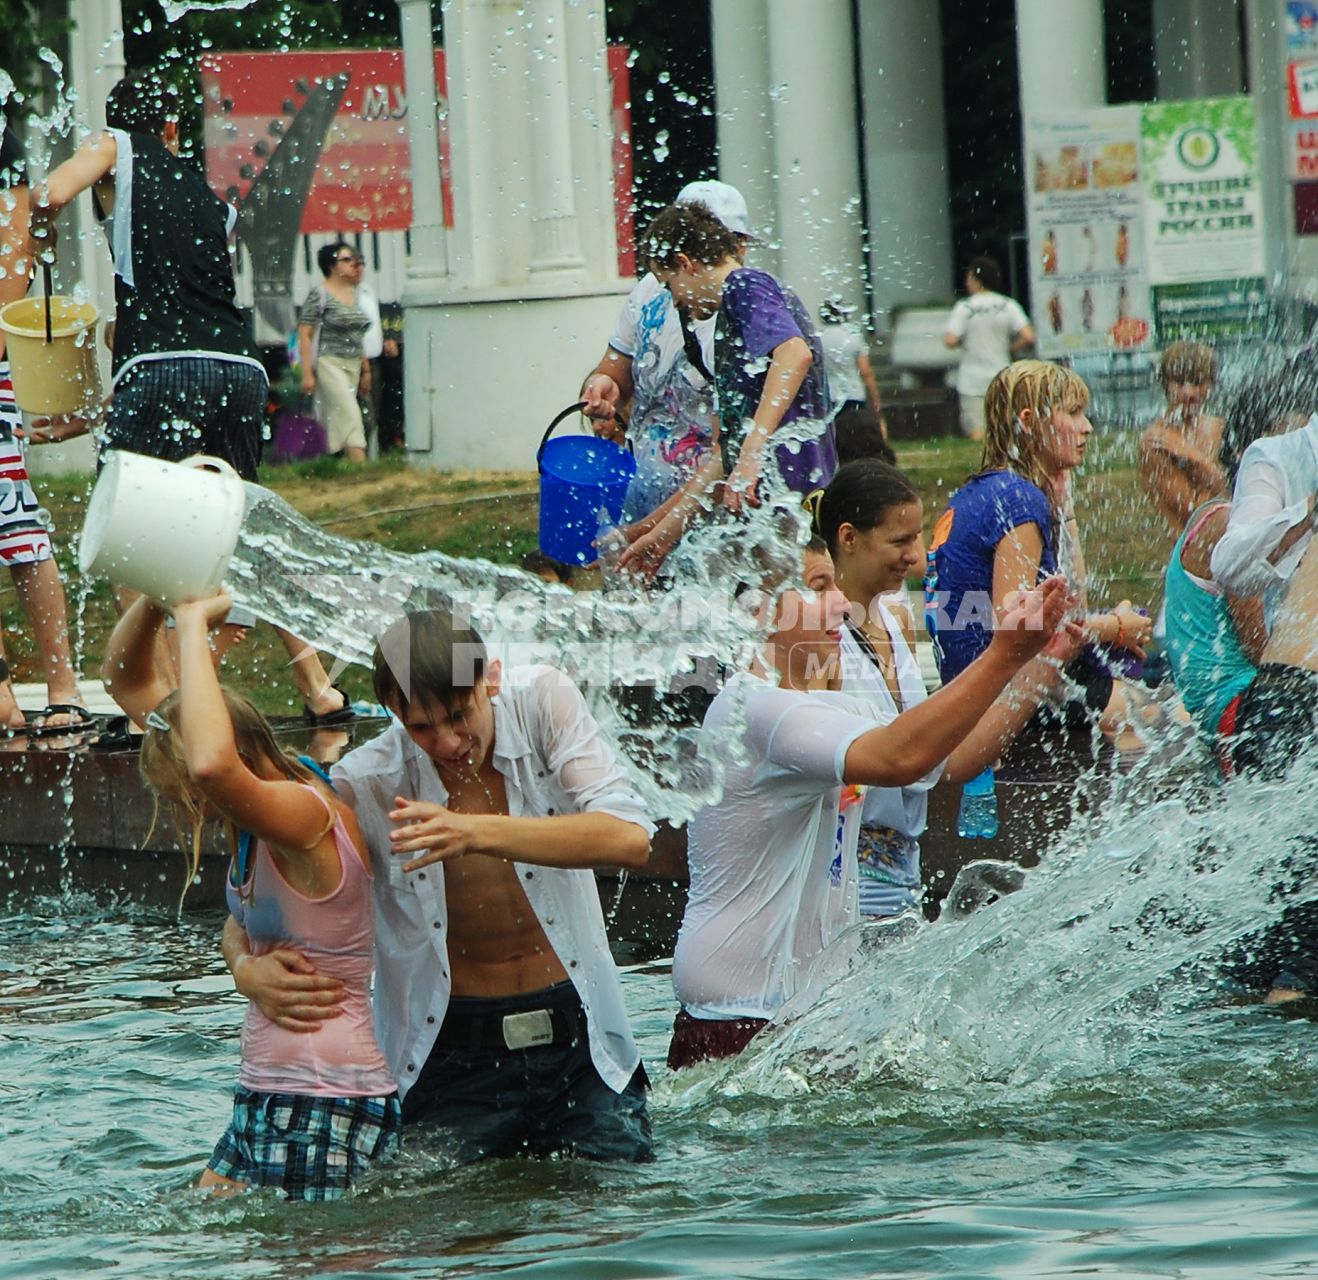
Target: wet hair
[
  {"x": 164, "y": 766},
  {"x": 1041, "y": 387},
  {"x": 1261, "y": 403},
  {"x": 1188, "y": 362},
  {"x": 141, "y": 103},
  {"x": 986, "y": 271},
  {"x": 858, "y": 434},
  {"x": 327, "y": 255},
  {"x": 428, "y": 655},
  {"x": 539, "y": 563},
  {"x": 861, "y": 494},
  {"x": 689, "y": 229},
  {"x": 817, "y": 545}
]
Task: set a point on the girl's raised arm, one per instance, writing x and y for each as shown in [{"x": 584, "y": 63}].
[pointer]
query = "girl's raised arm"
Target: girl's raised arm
[{"x": 283, "y": 813}]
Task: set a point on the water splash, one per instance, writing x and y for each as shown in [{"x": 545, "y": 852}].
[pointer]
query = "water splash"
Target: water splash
[
  {"x": 646, "y": 662},
  {"x": 176, "y": 9},
  {"x": 1069, "y": 979}
]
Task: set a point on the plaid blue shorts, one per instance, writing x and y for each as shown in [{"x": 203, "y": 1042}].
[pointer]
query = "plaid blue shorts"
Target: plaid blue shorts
[{"x": 311, "y": 1147}]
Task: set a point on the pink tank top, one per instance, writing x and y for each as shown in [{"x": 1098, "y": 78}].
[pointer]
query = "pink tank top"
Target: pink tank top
[{"x": 336, "y": 933}]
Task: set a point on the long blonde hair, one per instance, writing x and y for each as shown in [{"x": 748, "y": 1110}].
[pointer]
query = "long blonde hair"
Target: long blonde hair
[
  {"x": 1009, "y": 444},
  {"x": 164, "y": 766}
]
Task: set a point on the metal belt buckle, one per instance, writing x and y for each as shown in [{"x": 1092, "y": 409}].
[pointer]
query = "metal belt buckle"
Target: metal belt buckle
[{"x": 526, "y": 1030}]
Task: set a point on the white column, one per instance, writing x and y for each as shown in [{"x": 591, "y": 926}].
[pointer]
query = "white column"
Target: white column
[
  {"x": 1283, "y": 250},
  {"x": 815, "y": 149},
  {"x": 1060, "y": 47},
  {"x": 905, "y": 151},
  {"x": 556, "y": 247},
  {"x": 742, "y": 92},
  {"x": 95, "y": 66},
  {"x": 427, "y": 266},
  {"x": 1197, "y": 50}
]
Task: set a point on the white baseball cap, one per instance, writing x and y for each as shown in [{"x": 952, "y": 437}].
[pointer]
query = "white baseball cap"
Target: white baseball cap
[{"x": 724, "y": 201}]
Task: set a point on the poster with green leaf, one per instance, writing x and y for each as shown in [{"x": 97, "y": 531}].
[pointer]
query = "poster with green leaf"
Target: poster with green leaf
[{"x": 1203, "y": 213}]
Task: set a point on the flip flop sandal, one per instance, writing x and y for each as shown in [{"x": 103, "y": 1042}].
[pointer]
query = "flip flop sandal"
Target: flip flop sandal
[
  {"x": 343, "y": 715},
  {"x": 116, "y": 736},
  {"x": 81, "y": 720}
]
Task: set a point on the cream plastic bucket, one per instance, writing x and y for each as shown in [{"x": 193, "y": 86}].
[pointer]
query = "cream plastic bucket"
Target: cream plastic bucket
[
  {"x": 166, "y": 529},
  {"x": 59, "y": 376}
]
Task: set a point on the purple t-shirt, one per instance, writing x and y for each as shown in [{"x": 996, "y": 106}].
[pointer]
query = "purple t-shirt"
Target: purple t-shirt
[
  {"x": 959, "y": 581},
  {"x": 758, "y": 315}
]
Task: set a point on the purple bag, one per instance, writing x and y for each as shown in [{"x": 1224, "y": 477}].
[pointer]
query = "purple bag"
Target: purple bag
[{"x": 298, "y": 436}]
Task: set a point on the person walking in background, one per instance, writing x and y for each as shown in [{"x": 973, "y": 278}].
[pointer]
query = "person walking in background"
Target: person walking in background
[
  {"x": 332, "y": 330},
  {"x": 988, "y": 329}
]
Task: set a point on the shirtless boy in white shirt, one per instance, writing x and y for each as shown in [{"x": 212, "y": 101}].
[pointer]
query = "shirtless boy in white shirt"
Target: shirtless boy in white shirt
[{"x": 485, "y": 808}]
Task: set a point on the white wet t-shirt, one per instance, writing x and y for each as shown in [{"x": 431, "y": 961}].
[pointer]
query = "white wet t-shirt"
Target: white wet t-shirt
[{"x": 773, "y": 862}]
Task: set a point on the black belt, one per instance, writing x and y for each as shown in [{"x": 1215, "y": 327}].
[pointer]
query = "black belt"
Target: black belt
[{"x": 530, "y": 1029}]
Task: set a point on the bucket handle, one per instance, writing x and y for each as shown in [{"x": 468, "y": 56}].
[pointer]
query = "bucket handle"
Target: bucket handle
[
  {"x": 549, "y": 430},
  {"x": 204, "y": 462}
]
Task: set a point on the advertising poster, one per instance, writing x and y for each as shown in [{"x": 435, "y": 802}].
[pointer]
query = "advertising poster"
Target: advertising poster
[
  {"x": 363, "y": 179},
  {"x": 1204, "y": 216},
  {"x": 1089, "y": 289}
]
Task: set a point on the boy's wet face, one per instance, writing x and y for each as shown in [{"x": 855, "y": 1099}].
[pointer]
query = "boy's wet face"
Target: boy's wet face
[{"x": 457, "y": 735}]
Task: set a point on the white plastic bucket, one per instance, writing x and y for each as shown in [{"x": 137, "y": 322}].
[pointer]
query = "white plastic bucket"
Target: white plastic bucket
[
  {"x": 59, "y": 376},
  {"x": 166, "y": 529}
]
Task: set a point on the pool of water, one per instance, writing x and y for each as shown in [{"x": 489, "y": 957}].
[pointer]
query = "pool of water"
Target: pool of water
[{"x": 1163, "y": 1134}]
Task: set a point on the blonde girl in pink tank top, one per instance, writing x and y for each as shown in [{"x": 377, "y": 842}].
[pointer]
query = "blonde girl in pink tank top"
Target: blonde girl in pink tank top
[{"x": 312, "y": 1109}]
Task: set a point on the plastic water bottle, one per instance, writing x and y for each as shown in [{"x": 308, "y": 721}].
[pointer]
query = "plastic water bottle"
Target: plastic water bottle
[{"x": 977, "y": 818}]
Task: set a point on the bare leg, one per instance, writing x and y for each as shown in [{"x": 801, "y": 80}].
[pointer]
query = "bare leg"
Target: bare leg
[
  {"x": 11, "y": 717},
  {"x": 309, "y": 675},
  {"x": 42, "y": 595},
  {"x": 166, "y": 666}
]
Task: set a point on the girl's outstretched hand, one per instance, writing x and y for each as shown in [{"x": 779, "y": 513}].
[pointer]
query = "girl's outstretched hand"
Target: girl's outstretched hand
[{"x": 1031, "y": 618}]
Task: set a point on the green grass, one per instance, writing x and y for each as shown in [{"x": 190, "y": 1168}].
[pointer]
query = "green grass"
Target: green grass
[{"x": 412, "y": 509}]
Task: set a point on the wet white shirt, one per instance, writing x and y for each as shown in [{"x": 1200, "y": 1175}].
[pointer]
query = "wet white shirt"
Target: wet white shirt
[
  {"x": 773, "y": 862},
  {"x": 1277, "y": 477},
  {"x": 554, "y": 759}
]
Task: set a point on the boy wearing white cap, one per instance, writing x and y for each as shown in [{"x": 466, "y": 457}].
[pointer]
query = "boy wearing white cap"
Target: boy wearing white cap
[{"x": 672, "y": 407}]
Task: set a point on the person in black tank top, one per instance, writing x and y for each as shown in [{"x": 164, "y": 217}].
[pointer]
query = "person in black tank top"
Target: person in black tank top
[{"x": 187, "y": 376}]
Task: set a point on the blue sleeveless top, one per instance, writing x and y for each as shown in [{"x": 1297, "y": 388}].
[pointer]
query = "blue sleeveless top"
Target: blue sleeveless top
[{"x": 1208, "y": 663}]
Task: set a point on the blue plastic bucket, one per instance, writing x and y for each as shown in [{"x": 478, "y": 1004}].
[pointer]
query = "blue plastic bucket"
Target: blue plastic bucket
[{"x": 578, "y": 476}]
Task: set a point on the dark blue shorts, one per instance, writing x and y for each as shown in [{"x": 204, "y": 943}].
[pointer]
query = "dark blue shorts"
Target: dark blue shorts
[
  {"x": 314, "y": 1148},
  {"x": 548, "y": 1100},
  {"x": 176, "y": 407}
]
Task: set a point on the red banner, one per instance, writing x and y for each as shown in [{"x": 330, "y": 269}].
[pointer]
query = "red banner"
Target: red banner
[{"x": 363, "y": 181}]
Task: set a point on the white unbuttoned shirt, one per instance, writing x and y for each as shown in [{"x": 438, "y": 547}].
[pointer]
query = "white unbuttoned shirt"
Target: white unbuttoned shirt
[
  {"x": 554, "y": 760},
  {"x": 1277, "y": 477}
]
